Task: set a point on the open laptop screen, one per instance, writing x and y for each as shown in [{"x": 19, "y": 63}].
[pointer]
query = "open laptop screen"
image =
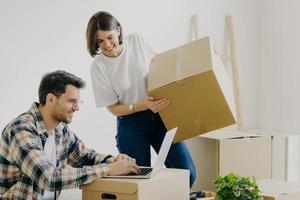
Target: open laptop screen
[{"x": 159, "y": 162}]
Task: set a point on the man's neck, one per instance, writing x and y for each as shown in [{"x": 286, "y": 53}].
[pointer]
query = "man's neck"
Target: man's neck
[{"x": 50, "y": 123}]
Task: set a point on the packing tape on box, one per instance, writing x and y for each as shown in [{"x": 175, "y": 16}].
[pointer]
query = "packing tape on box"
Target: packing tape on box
[{"x": 178, "y": 66}]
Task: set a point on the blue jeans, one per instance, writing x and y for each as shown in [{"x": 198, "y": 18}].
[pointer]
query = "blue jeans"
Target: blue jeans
[{"x": 136, "y": 132}]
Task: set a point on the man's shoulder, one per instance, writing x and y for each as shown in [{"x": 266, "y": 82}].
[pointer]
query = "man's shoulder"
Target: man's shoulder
[{"x": 24, "y": 122}]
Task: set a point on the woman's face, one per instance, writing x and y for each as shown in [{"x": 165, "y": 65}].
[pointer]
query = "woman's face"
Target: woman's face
[{"x": 108, "y": 42}]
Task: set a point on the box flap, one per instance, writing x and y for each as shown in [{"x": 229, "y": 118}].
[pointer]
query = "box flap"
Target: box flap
[
  {"x": 194, "y": 58},
  {"x": 229, "y": 134},
  {"x": 224, "y": 82},
  {"x": 161, "y": 70},
  {"x": 278, "y": 188},
  {"x": 168, "y": 67},
  {"x": 112, "y": 185}
]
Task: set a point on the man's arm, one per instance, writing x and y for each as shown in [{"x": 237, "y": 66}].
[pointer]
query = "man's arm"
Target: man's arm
[
  {"x": 28, "y": 155},
  {"x": 79, "y": 155}
]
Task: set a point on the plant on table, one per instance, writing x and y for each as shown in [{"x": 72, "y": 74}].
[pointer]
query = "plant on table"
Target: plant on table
[{"x": 235, "y": 187}]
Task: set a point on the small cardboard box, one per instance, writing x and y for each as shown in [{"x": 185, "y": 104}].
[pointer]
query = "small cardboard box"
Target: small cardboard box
[
  {"x": 223, "y": 152},
  {"x": 279, "y": 190},
  {"x": 167, "y": 184},
  {"x": 196, "y": 81}
]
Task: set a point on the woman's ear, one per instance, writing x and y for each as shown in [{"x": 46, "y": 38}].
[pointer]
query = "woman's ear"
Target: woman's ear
[{"x": 119, "y": 30}]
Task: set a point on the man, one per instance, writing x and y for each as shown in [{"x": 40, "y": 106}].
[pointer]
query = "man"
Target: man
[{"x": 40, "y": 155}]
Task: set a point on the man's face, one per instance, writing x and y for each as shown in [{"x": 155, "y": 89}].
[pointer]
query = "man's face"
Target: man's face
[{"x": 66, "y": 104}]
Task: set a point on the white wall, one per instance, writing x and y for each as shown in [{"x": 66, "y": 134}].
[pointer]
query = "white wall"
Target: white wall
[
  {"x": 279, "y": 75},
  {"x": 42, "y": 36}
]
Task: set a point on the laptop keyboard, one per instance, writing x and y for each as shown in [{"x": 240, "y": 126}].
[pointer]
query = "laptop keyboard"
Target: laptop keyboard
[{"x": 144, "y": 171}]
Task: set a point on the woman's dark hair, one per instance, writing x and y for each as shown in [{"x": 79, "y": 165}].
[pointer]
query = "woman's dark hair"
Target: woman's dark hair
[
  {"x": 56, "y": 82},
  {"x": 103, "y": 21}
]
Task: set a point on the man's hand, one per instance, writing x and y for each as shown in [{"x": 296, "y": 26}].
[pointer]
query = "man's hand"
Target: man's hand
[
  {"x": 122, "y": 167},
  {"x": 120, "y": 157}
]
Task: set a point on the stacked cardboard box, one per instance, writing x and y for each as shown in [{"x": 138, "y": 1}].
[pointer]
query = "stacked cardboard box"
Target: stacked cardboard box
[{"x": 226, "y": 151}]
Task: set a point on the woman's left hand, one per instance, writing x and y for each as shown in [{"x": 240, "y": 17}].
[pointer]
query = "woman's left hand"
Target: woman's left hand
[{"x": 157, "y": 105}]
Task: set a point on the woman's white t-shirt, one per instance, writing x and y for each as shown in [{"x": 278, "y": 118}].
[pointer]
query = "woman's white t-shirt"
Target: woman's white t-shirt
[{"x": 122, "y": 79}]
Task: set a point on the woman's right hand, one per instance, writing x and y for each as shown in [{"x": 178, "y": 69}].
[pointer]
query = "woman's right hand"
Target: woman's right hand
[
  {"x": 122, "y": 167},
  {"x": 155, "y": 105}
]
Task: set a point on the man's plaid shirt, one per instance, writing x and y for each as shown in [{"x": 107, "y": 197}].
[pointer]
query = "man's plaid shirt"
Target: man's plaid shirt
[{"x": 25, "y": 172}]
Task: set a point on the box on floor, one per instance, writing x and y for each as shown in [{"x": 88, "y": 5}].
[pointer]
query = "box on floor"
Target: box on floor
[
  {"x": 167, "y": 184},
  {"x": 200, "y": 89},
  {"x": 279, "y": 190},
  {"x": 222, "y": 152}
]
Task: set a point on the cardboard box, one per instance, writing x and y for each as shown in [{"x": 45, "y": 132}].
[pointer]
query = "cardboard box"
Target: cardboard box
[
  {"x": 196, "y": 81},
  {"x": 279, "y": 190},
  {"x": 168, "y": 184},
  {"x": 223, "y": 152}
]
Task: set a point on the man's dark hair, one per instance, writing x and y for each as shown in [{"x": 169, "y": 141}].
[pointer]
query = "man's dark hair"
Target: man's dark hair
[{"x": 56, "y": 82}]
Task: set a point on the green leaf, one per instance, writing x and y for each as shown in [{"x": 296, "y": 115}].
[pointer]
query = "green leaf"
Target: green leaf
[{"x": 235, "y": 187}]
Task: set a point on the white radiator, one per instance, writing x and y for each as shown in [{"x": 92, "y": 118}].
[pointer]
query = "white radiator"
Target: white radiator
[
  {"x": 285, "y": 155},
  {"x": 293, "y": 158}
]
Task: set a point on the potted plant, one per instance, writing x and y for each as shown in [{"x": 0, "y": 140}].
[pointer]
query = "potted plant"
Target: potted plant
[{"x": 235, "y": 187}]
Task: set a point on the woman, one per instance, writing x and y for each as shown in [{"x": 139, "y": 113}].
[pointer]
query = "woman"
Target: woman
[{"x": 118, "y": 75}]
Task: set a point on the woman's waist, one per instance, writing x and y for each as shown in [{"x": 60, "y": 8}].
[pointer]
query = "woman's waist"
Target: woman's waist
[{"x": 142, "y": 116}]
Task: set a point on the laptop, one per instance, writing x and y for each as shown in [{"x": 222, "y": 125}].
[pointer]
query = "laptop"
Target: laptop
[{"x": 148, "y": 172}]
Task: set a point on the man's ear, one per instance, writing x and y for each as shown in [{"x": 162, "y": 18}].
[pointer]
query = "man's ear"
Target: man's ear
[{"x": 51, "y": 98}]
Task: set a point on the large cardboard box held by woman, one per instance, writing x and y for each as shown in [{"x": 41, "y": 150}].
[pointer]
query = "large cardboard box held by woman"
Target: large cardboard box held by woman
[{"x": 200, "y": 89}]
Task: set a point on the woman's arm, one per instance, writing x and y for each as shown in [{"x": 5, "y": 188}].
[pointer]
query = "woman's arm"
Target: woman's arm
[{"x": 148, "y": 103}]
